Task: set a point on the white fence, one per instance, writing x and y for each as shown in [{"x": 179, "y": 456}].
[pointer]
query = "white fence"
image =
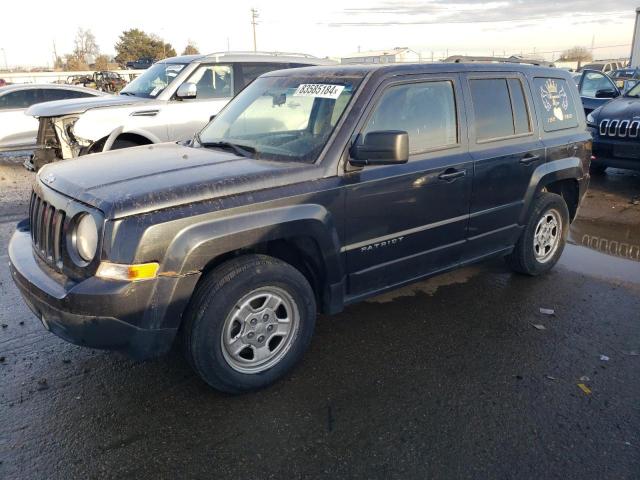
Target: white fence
[{"x": 53, "y": 77}]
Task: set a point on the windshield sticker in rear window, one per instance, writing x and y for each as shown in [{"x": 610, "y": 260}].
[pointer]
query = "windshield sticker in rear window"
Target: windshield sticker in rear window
[
  {"x": 558, "y": 105},
  {"x": 319, "y": 90}
]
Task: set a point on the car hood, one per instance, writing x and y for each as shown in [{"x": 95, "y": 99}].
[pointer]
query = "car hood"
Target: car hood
[
  {"x": 80, "y": 105},
  {"x": 622, "y": 108},
  {"x": 152, "y": 177}
]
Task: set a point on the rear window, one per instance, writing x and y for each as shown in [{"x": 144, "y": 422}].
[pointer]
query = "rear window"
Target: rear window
[
  {"x": 500, "y": 108},
  {"x": 557, "y": 104}
]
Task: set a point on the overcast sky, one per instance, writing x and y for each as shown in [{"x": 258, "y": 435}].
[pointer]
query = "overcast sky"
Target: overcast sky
[{"x": 324, "y": 28}]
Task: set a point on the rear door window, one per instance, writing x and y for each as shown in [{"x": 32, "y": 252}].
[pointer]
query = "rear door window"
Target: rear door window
[
  {"x": 251, "y": 71},
  {"x": 500, "y": 108},
  {"x": 557, "y": 106},
  {"x": 19, "y": 99}
]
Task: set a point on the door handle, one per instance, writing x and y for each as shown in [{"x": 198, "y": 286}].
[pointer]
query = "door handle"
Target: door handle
[
  {"x": 451, "y": 174},
  {"x": 529, "y": 159}
]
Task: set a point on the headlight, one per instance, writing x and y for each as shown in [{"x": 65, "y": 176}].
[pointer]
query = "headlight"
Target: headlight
[
  {"x": 591, "y": 118},
  {"x": 85, "y": 237}
]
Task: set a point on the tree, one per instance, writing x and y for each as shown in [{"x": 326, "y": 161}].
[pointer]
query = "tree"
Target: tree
[
  {"x": 102, "y": 62},
  {"x": 73, "y": 64},
  {"x": 576, "y": 54},
  {"x": 191, "y": 49},
  {"x": 85, "y": 47},
  {"x": 135, "y": 43}
]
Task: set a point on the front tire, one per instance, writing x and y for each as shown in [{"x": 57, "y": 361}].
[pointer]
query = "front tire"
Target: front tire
[
  {"x": 543, "y": 238},
  {"x": 248, "y": 323}
]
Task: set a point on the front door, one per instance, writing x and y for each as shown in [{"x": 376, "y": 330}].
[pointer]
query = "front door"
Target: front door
[
  {"x": 407, "y": 221},
  {"x": 215, "y": 86},
  {"x": 596, "y": 89}
]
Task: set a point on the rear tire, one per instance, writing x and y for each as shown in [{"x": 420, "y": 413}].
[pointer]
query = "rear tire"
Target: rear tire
[
  {"x": 248, "y": 323},
  {"x": 543, "y": 239}
]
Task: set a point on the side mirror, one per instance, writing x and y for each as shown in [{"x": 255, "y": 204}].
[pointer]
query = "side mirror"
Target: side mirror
[
  {"x": 606, "y": 93},
  {"x": 187, "y": 90},
  {"x": 381, "y": 148}
]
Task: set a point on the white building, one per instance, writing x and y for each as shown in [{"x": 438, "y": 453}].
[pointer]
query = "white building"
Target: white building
[{"x": 394, "y": 55}]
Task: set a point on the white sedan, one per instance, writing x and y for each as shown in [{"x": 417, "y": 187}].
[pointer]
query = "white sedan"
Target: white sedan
[{"x": 18, "y": 131}]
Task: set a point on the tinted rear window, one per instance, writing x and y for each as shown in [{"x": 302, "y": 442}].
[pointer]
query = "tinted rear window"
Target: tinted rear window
[
  {"x": 520, "y": 113},
  {"x": 558, "y": 109},
  {"x": 492, "y": 108}
]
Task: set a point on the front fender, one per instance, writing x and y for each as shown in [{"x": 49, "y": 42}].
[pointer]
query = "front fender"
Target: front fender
[
  {"x": 196, "y": 245},
  {"x": 547, "y": 173}
]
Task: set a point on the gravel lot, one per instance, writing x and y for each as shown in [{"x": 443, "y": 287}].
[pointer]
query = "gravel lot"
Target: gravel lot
[{"x": 449, "y": 378}]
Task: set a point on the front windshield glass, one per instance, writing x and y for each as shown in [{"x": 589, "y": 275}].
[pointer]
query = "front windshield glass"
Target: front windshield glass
[
  {"x": 282, "y": 118},
  {"x": 154, "y": 80},
  {"x": 634, "y": 92}
]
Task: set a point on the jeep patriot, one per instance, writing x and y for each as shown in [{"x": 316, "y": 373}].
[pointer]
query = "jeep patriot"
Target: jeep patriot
[{"x": 313, "y": 189}]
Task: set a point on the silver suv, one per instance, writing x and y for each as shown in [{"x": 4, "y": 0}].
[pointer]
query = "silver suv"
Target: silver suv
[{"x": 170, "y": 101}]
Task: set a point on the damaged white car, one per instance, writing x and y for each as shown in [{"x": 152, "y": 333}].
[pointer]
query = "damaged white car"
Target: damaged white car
[{"x": 170, "y": 101}]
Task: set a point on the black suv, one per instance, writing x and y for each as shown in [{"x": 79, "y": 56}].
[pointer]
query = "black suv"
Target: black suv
[
  {"x": 313, "y": 189},
  {"x": 615, "y": 127}
]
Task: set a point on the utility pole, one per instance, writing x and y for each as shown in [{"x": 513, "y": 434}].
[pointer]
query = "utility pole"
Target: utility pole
[
  {"x": 254, "y": 16},
  {"x": 6, "y": 65},
  {"x": 55, "y": 55}
]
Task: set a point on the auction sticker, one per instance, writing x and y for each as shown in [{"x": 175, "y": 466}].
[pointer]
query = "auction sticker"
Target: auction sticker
[{"x": 319, "y": 90}]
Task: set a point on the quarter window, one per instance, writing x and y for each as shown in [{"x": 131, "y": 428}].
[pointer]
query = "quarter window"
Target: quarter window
[
  {"x": 556, "y": 102},
  {"x": 426, "y": 111},
  {"x": 499, "y": 107}
]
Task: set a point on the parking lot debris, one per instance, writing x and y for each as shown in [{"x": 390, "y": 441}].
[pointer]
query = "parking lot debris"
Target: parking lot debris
[
  {"x": 551, "y": 377},
  {"x": 547, "y": 311},
  {"x": 632, "y": 353},
  {"x": 4, "y": 325},
  {"x": 584, "y": 378},
  {"x": 2, "y": 359},
  {"x": 538, "y": 326},
  {"x": 604, "y": 358},
  {"x": 584, "y": 388},
  {"x": 42, "y": 384}
]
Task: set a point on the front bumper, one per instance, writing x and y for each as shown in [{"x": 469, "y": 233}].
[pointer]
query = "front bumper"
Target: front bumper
[
  {"x": 93, "y": 313},
  {"x": 617, "y": 153}
]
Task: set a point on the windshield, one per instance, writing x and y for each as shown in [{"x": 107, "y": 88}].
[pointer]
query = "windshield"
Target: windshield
[
  {"x": 282, "y": 118},
  {"x": 634, "y": 92},
  {"x": 154, "y": 80}
]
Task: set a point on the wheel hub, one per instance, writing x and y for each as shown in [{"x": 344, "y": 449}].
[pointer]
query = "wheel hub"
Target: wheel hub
[
  {"x": 259, "y": 330},
  {"x": 548, "y": 233}
]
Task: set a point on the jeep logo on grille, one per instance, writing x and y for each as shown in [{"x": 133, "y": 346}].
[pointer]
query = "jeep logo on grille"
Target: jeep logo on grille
[{"x": 49, "y": 178}]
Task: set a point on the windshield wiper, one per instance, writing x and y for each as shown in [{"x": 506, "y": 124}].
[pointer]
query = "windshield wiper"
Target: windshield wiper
[
  {"x": 128, "y": 93},
  {"x": 242, "y": 150}
]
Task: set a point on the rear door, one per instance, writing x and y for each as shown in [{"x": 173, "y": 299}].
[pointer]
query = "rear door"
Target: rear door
[
  {"x": 406, "y": 221},
  {"x": 506, "y": 149}
]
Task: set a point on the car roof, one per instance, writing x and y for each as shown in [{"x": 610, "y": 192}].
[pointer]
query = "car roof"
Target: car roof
[
  {"x": 418, "y": 68},
  {"x": 54, "y": 86},
  {"x": 252, "y": 57}
]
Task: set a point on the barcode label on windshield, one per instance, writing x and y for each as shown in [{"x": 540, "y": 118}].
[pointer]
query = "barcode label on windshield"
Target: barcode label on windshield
[{"x": 319, "y": 90}]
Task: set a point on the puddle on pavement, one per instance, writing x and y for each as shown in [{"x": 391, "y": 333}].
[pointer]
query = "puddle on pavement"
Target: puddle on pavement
[
  {"x": 431, "y": 285},
  {"x": 604, "y": 249}
]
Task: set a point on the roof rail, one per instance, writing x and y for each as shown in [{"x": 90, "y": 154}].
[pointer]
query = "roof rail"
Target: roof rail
[
  {"x": 251, "y": 52},
  {"x": 513, "y": 59}
]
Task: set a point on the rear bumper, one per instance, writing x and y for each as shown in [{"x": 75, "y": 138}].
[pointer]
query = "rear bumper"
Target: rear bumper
[{"x": 93, "y": 313}]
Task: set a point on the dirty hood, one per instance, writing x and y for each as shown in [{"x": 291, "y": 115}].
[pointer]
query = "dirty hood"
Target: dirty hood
[
  {"x": 80, "y": 105},
  {"x": 142, "y": 179},
  {"x": 621, "y": 108}
]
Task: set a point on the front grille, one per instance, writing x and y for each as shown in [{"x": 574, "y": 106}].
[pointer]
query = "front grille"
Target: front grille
[
  {"x": 46, "y": 230},
  {"x": 619, "y": 128}
]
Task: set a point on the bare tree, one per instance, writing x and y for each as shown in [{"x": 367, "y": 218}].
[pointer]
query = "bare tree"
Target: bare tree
[
  {"x": 85, "y": 47},
  {"x": 576, "y": 54}
]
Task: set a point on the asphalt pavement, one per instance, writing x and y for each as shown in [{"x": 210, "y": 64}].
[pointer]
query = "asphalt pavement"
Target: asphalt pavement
[{"x": 457, "y": 377}]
